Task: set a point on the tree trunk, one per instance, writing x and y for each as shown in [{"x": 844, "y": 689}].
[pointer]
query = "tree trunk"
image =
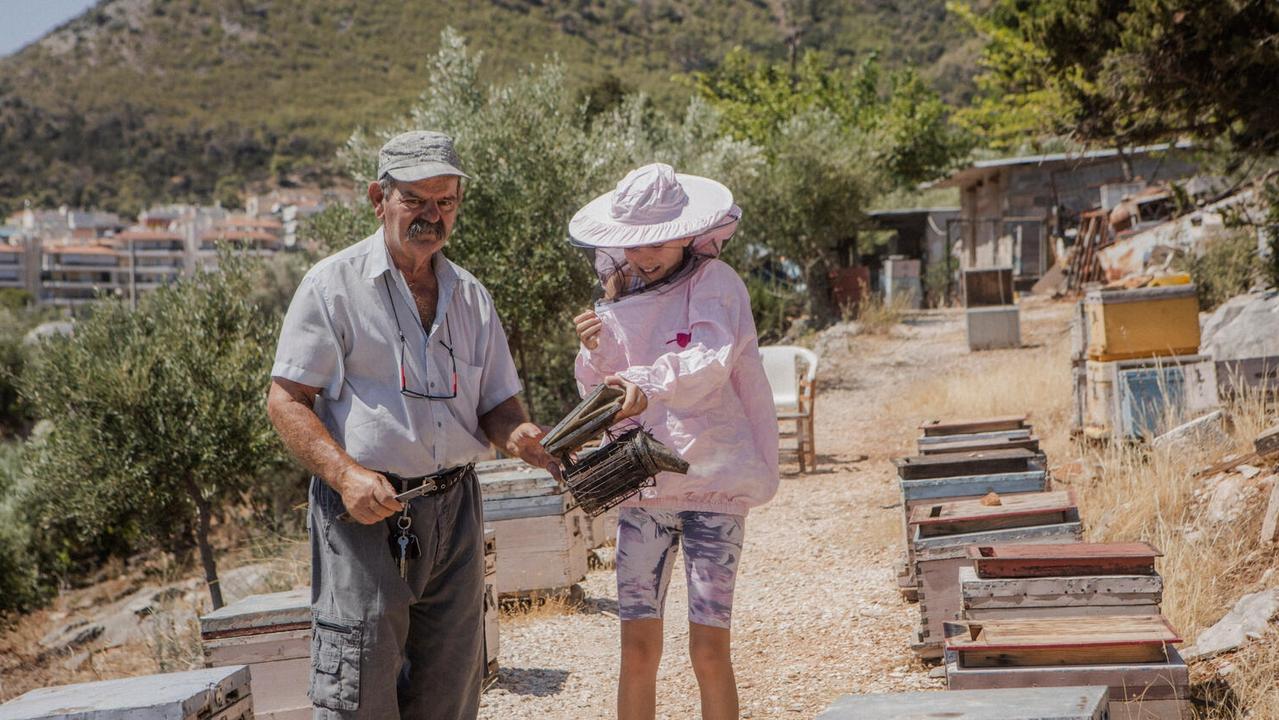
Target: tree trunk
[
  {"x": 522, "y": 362},
  {"x": 821, "y": 306},
  {"x": 207, "y": 559}
]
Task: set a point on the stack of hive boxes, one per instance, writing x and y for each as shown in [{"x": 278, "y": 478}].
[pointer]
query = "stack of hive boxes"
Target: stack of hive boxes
[
  {"x": 974, "y": 482},
  {"x": 271, "y": 634},
  {"x": 1065, "y": 615},
  {"x": 992, "y": 319},
  {"x": 1143, "y": 372},
  {"x": 541, "y": 531}
]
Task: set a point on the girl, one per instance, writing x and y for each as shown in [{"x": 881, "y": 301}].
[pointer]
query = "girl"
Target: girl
[{"x": 675, "y": 322}]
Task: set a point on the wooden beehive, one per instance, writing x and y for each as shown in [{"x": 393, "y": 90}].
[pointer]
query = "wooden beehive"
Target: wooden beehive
[
  {"x": 1076, "y": 703},
  {"x": 968, "y": 426},
  {"x": 538, "y": 526},
  {"x": 1064, "y": 560},
  {"x": 211, "y": 694},
  {"x": 492, "y": 642},
  {"x": 271, "y": 634},
  {"x": 941, "y": 533},
  {"x": 1142, "y": 323},
  {"x": 985, "y": 287},
  {"x": 935, "y": 490},
  {"x": 1066, "y": 580},
  {"x": 993, "y": 328},
  {"x": 980, "y": 462},
  {"x": 1129, "y": 398},
  {"x": 1132, "y": 655}
]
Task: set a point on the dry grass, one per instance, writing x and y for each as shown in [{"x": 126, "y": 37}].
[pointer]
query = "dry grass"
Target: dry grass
[
  {"x": 1134, "y": 493},
  {"x": 877, "y": 315}
]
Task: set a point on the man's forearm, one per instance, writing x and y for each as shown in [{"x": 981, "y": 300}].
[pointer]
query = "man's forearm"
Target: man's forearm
[
  {"x": 501, "y": 421},
  {"x": 306, "y": 438}
]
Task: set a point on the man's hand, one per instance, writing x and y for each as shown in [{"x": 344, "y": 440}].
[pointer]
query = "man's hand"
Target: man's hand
[
  {"x": 367, "y": 495},
  {"x": 525, "y": 443},
  {"x": 588, "y": 326},
  {"x": 634, "y": 401}
]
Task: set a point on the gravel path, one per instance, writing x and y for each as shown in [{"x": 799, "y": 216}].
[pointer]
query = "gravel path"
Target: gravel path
[{"x": 816, "y": 612}]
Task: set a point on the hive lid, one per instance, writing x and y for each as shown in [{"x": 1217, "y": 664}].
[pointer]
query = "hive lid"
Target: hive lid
[
  {"x": 171, "y": 696},
  {"x": 1027, "y": 560},
  {"x": 277, "y": 611},
  {"x": 934, "y": 428},
  {"x": 1060, "y": 633},
  {"x": 514, "y": 479},
  {"x": 1012, "y": 505}
]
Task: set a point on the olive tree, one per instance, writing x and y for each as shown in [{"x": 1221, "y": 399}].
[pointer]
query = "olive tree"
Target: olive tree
[
  {"x": 536, "y": 154},
  {"x": 156, "y": 420}
]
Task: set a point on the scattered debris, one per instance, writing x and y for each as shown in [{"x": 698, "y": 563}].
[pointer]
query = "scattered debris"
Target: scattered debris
[{"x": 1248, "y": 618}]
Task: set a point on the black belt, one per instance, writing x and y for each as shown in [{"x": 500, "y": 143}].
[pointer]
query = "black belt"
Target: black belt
[
  {"x": 433, "y": 484},
  {"x": 414, "y": 487}
]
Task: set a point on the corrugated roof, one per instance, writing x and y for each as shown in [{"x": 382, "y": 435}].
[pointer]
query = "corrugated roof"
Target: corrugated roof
[{"x": 977, "y": 169}]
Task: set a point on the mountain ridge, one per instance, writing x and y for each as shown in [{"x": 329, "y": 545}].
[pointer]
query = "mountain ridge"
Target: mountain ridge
[{"x": 136, "y": 101}]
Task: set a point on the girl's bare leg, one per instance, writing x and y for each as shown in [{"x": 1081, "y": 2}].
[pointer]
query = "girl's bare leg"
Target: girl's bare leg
[
  {"x": 637, "y": 682},
  {"x": 709, "y": 649}
]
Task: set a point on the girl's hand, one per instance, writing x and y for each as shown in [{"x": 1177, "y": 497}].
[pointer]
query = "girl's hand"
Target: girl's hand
[
  {"x": 588, "y": 326},
  {"x": 633, "y": 403}
]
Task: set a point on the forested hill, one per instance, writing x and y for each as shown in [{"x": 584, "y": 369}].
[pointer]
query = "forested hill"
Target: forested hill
[{"x": 142, "y": 100}]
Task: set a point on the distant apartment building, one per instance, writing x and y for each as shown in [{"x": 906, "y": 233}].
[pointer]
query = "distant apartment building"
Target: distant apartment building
[
  {"x": 69, "y": 257},
  {"x": 73, "y": 274}
]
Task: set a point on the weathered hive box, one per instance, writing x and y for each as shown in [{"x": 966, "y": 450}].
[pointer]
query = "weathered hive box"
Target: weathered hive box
[
  {"x": 211, "y": 694},
  {"x": 942, "y": 532},
  {"x": 968, "y": 426},
  {"x": 601, "y": 530},
  {"x": 271, "y": 634},
  {"x": 992, "y": 328},
  {"x": 978, "y": 462},
  {"x": 1060, "y": 580},
  {"x": 1132, "y": 655},
  {"x": 1142, "y": 323},
  {"x": 935, "y": 490},
  {"x": 539, "y": 528},
  {"x": 1251, "y": 376},
  {"x": 987, "y": 287},
  {"x": 976, "y": 442},
  {"x": 1074, "y": 703},
  {"x": 491, "y": 638},
  {"x": 1133, "y": 398}
]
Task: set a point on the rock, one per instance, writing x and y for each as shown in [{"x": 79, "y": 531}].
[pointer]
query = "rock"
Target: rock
[
  {"x": 1243, "y": 328},
  {"x": 74, "y": 662},
  {"x": 1248, "y": 471},
  {"x": 937, "y": 672},
  {"x": 1206, "y": 431},
  {"x": 837, "y": 339},
  {"x": 1249, "y": 617},
  {"x": 1227, "y": 500}
]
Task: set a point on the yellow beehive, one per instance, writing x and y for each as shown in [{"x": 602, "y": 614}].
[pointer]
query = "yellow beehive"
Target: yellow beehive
[{"x": 1142, "y": 323}]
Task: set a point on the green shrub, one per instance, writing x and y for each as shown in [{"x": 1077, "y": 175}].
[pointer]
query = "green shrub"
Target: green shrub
[{"x": 1229, "y": 266}]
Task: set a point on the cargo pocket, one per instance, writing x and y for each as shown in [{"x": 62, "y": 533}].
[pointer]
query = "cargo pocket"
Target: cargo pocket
[{"x": 336, "y": 646}]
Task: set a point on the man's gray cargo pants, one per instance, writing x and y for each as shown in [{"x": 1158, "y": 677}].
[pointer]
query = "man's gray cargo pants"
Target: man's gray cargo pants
[{"x": 383, "y": 647}]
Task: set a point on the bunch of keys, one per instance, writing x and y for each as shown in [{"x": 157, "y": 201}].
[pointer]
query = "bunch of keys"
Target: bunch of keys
[{"x": 404, "y": 545}]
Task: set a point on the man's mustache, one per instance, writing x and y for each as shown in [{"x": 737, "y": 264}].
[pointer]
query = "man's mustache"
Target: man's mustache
[{"x": 421, "y": 226}]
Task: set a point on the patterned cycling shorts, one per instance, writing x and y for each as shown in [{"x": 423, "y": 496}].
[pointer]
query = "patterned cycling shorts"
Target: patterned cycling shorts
[{"x": 647, "y": 540}]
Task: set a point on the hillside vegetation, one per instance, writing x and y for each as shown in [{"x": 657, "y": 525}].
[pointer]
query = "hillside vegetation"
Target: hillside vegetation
[{"x": 142, "y": 100}]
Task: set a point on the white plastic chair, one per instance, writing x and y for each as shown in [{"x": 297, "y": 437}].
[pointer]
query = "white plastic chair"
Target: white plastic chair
[{"x": 794, "y": 394}]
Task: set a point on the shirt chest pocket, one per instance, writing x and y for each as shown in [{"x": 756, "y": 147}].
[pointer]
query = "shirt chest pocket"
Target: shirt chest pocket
[{"x": 465, "y": 407}]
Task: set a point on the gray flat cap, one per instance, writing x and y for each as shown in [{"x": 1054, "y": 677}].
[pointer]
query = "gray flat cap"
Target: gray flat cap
[{"x": 417, "y": 155}]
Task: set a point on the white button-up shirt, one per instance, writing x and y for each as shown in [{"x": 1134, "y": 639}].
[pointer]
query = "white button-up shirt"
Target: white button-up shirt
[{"x": 340, "y": 335}]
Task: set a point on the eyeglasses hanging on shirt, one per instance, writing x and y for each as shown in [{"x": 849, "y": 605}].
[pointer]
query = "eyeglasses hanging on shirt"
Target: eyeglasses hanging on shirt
[{"x": 404, "y": 389}]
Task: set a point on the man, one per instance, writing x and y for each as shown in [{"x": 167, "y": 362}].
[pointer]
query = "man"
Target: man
[{"x": 393, "y": 374}]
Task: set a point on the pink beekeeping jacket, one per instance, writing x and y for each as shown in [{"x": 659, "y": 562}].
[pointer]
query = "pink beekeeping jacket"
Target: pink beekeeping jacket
[{"x": 692, "y": 349}]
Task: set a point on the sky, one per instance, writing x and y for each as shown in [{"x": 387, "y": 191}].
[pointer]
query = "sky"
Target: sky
[{"x": 22, "y": 21}]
